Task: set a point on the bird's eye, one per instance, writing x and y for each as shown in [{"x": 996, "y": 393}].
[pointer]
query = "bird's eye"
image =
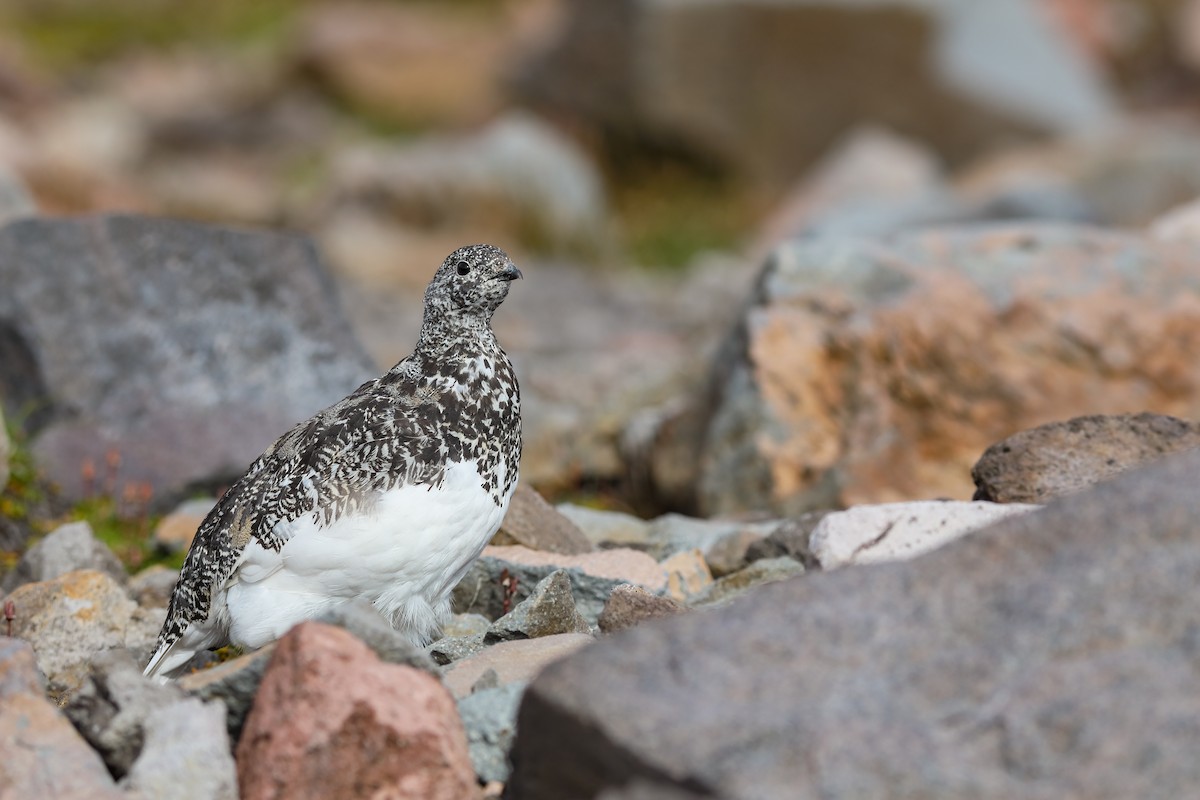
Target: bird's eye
[{"x": 463, "y": 268}]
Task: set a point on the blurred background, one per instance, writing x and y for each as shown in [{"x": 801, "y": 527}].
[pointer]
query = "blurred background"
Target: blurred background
[{"x": 642, "y": 156}]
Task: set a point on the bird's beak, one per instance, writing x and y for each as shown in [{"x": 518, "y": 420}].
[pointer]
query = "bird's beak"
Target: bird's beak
[{"x": 511, "y": 273}]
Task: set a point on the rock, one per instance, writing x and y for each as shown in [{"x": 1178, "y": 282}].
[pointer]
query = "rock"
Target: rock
[
  {"x": 225, "y": 340},
  {"x": 1051, "y": 460},
  {"x": 549, "y": 610},
  {"x": 66, "y": 549},
  {"x": 393, "y": 61},
  {"x": 504, "y": 576},
  {"x": 5, "y": 451},
  {"x": 111, "y": 708},
  {"x": 1181, "y": 222},
  {"x": 728, "y": 554},
  {"x": 929, "y": 346},
  {"x": 532, "y": 522},
  {"x": 630, "y": 605},
  {"x": 71, "y": 618},
  {"x": 332, "y": 720},
  {"x": 490, "y": 719},
  {"x": 186, "y": 755},
  {"x": 897, "y": 531},
  {"x": 789, "y": 539},
  {"x": 676, "y": 533},
  {"x": 873, "y": 182},
  {"x": 449, "y": 649},
  {"x": 687, "y": 574},
  {"x": 175, "y": 531},
  {"x": 466, "y": 625},
  {"x": 513, "y": 662},
  {"x": 515, "y": 174},
  {"x": 366, "y": 624},
  {"x": 1128, "y": 176},
  {"x": 233, "y": 683},
  {"x": 15, "y": 203},
  {"x": 43, "y": 755},
  {"x": 608, "y": 528},
  {"x": 674, "y": 74},
  {"x": 760, "y": 573},
  {"x": 1050, "y": 655},
  {"x": 152, "y": 587}
]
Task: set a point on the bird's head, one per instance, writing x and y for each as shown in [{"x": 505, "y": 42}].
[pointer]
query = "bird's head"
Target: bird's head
[{"x": 473, "y": 280}]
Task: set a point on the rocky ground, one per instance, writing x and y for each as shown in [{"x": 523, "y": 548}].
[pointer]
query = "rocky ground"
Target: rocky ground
[{"x": 891, "y": 495}]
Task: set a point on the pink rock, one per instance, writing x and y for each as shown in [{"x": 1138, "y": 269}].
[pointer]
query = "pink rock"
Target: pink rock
[
  {"x": 513, "y": 661},
  {"x": 43, "y": 755},
  {"x": 332, "y": 720},
  {"x": 618, "y": 564}
]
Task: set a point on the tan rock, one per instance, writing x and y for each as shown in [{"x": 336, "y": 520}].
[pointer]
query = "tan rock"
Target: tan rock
[
  {"x": 512, "y": 661},
  {"x": 414, "y": 64},
  {"x": 632, "y": 605},
  {"x": 534, "y": 523},
  {"x": 687, "y": 574},
  {"x": 332, "y": 720},
  {"x": 878, "y": 371},
  {"x": 69, "y": 619},
  {"x": 175, "y": 531},
  {"x": 618, "y": 564}
]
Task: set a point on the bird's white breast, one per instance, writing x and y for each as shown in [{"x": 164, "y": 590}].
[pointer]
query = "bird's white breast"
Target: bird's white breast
[{"x": 404, "y": 555}]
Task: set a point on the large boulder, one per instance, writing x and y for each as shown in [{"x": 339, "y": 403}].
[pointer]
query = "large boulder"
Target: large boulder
[
  {"x": 164, "y": 353},
  {"x": 1051, "y": 655},
  {"x": 677, "y": 74},
  {"x": 868, "y": 371}
]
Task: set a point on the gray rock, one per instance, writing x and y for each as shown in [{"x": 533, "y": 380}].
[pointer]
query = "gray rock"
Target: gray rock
[
  {"x": 111, "y": 708},
  {"x": 483, "y": 590},
  {"x": 630, "y": 605},
  {"x": 490, "y": 719},
  {"x": 607, "y": 527},
  {"x": 15, "y": 202},
  {"x": 674, "y": 533},
  {"x": 1051, "y": 460},
  {"x": 760, "y": 573},
  {"x": 43, "y": 755},
  {"x": 66, "y": 549},
  {"x": 454, "y": 648},
  {"x": 728, "y": 554},
  {"x": 186, "y": 755},
  {"x": 674, "y": 74},
  {"x": 517, "y": 166},
  {"x": 361, "y": 619},
  {"x": 532, "y": 522},
  {"x": 789, "y": 539},
  {"x": 152, "y": 587},
  {"x": 233, "y": 684},
  {"x": 549, "y": 609},
  {"x": 183, "y": 348},
  {"x": 1051, "y": 655}
]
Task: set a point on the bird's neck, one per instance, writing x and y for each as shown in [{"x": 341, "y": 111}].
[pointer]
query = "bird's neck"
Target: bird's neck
[{"x": 441, "y": 333}]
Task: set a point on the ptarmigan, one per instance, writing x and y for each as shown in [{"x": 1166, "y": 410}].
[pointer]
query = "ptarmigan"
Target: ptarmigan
[{"x": 386, "y": 496}]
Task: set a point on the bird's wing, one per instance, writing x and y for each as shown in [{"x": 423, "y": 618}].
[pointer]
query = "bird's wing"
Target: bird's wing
[{"x": 333, "y": 463}]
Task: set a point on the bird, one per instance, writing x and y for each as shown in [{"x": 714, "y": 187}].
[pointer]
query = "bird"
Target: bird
[{"x": 386, "y": 496}]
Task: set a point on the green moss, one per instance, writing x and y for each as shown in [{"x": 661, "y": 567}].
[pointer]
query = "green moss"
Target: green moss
[
  {"x": 71, "y": 34},
  {"x": 669, "y": 214}
]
